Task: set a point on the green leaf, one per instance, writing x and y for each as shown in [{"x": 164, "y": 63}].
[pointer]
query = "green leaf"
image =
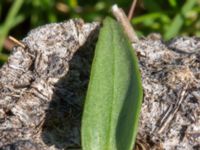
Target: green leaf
[
  {"x": 114, "y": 95},
  {"x": 3, "y": 57},
  {"x": 172, "y": 3},
  {"x": 151, "y": 17},
  {"x": 7, "y": 25},
  {"x": 18, "y": 19},
  {"x": 178, "y": 21}
]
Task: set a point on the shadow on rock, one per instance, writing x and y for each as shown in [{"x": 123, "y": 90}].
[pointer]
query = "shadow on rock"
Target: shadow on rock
[{"x": 63, "y": 117}]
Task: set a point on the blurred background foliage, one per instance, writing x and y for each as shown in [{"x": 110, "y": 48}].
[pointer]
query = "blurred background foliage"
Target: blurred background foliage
[{"x": 170, "y": 18}]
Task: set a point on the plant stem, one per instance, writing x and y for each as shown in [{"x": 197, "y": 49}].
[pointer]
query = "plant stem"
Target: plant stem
[
  {"x": 131, "y": 11},
  {"x": 123, "y": 20},
  {"x": 7, "y": 25}
]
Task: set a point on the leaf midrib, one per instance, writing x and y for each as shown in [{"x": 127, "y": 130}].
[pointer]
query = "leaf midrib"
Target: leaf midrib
[{"x": 113, "y": 89}]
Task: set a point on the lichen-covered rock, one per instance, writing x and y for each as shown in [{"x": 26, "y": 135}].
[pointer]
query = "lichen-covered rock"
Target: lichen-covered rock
[
  {"x": 170, "y": 117},
  {"x": 35, "y": 77}
]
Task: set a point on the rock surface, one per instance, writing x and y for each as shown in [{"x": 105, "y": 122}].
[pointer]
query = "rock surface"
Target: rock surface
[
  {"x": 170, "y": 117},
  {"x": 42, "y": 88}
]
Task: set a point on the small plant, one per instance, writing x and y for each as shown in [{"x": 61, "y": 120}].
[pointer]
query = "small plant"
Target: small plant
[{"x": 114, "y": 95}]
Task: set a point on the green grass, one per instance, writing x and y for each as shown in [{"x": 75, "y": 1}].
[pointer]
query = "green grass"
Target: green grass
[{"x": 169, "y": 18}]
